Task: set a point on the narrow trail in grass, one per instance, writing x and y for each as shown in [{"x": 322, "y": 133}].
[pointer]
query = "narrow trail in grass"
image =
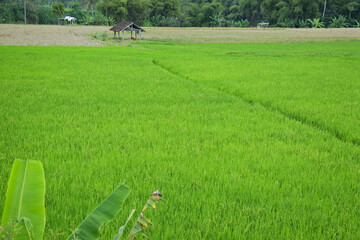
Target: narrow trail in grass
[{"x": 298, "y": 118}]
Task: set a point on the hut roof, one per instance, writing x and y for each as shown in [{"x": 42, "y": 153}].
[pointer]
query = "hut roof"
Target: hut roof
[{"x": 123, "y": 26}]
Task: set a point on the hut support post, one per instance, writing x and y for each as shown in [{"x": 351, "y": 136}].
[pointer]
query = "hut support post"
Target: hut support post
[
  {"x": 131, "y": 34},
  {"x": 114, "y": 34},
  {"x": 140, "y": 34},
  {"x": 123, "y": 35}
]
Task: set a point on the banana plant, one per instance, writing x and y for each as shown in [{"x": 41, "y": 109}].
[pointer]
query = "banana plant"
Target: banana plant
[
  {"x": 316, "y": 23},
  {"x": 338, "y": 22},
  {"x": 104, "y": 213},
  {"x": 24, "y": 213},
  {"x": 142, "y": 223},
  {"x": 121, "y": 229},
  {"x": 25, "y": 200}
]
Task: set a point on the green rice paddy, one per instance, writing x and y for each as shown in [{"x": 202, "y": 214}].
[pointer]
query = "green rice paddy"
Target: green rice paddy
[{"x": 251, "y": 140}]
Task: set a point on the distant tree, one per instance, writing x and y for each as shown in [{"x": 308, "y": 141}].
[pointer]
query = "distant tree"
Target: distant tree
[
  {"x": 165, "y": 8},
  {"x": 113, "y": 8},
  {"x": 234, "y": 12},
  {"x": 30, "y": 11},
  {"x": 90, "y": 4},
  {"x": 283, "y": 13},
  {"x": 57, "y": 9},
  {"x": 45, "y": 16},
  {"x": 216, "y": 20},
  {"x": 210, "y": 12},
  {"x": 250, "y": 9},
  {"x": 275, "y": 10},
  {"x": 351, "y": 7},
  {"x": 269, "y": 11},
  {"x": 77, "y": 11},
  {"x": 28, "y": 6},
  {"x": 192, "y": 14},
  {"x": 138, "y": 10},
  {"x": 25, "y": 11}
]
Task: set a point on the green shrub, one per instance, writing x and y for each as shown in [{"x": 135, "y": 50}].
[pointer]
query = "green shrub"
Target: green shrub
[
  {"x": 147, "y": 23},
  {"x": 338, "y": 22},
  {"x": 286, "y": 23},
  {"x": 316, "y": 23},
  {"x": 303, "y": 23},
  {"x": 353, "y": 23},
  {"x": 5, "y": 15},
  {"x": 243, "y": 23}
]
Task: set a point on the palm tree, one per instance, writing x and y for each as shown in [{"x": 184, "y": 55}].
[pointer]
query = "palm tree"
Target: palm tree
[
  {"x": 25, "y": 11},
  {"x": 324, "y": 8}
]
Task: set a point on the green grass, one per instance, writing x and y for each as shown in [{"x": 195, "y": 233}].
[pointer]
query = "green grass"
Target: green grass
[
  {"x": 239, "y": 151},
  {"x": 316, "y": 83}
]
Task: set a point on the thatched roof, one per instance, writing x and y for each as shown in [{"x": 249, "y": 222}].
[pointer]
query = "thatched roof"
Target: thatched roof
[{"x": 126, "y": 26}]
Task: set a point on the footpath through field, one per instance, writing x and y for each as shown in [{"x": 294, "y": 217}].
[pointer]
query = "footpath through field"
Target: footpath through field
[{"x": 314, "y": 83}]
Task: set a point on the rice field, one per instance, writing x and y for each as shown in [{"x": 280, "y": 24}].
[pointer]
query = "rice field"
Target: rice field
[
  {"x": 75, "y": 35},
  {"x": 244, "y": 140}
]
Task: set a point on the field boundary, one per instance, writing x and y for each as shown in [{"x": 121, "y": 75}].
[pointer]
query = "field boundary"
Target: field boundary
[
  {"x": 303, "y": 120},
  {"x": 54, "y": 35}
]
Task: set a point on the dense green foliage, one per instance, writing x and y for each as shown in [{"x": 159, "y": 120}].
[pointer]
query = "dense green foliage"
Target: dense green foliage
[
  {"x": 228, "y": 13},
  {"x": 47, "y": 14},
  {"x": 245, "y": 140},
  {"x": 57, "y": 9}
]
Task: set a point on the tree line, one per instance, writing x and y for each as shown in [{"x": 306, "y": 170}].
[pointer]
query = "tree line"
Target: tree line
[{"x": 187, "y": 13}]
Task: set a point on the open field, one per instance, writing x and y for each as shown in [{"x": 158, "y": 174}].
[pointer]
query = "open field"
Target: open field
[
  {"x": 251, "y": 140},
  {"x": 51, "y": 35},
  {"x": 238, "y": 35},
  {"x": 315, "y": 87}
]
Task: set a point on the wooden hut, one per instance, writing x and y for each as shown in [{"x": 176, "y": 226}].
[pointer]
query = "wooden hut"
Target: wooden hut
[{"x": 127, "y": 26}]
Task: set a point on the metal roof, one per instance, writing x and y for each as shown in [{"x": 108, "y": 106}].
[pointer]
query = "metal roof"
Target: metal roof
[{"x": 129, "y": 26}]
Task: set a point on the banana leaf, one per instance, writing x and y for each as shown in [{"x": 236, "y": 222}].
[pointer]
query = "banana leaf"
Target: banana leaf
[
  {"x": 104, "y": 213},
  {"x": 25, "y": 199},
  {"x": 121, "y": 229},
  {"x": 23, "y": 229}
]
